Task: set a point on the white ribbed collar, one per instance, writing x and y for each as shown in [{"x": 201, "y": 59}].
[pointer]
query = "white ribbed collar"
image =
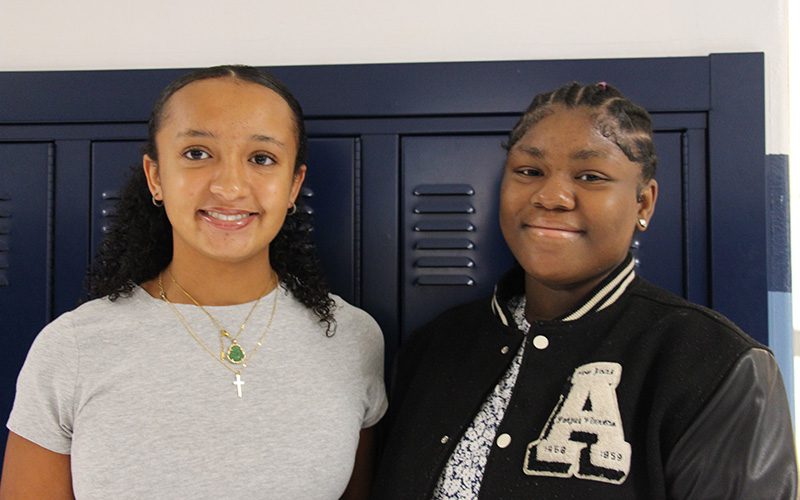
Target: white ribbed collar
[{"x": 606, "y": 294}]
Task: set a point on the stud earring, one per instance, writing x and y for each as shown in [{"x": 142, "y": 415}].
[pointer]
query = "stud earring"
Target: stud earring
[
  {"x": 158, "y": 203},
  {"x": 642, "y": 223}
]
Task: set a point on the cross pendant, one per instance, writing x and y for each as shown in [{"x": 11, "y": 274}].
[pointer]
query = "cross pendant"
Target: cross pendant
[{"x": 238, "y": 383}]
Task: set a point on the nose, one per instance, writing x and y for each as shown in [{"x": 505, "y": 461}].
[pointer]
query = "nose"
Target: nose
[
  {"x": 230, "y": 180},
  {"x": 554, "y": 193}
]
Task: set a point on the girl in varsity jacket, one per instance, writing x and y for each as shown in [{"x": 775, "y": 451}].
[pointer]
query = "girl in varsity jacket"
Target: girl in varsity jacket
[{"x": 579, "y": 379}]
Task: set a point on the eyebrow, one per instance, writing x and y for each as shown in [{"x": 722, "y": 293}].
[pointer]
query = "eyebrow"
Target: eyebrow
[
  {"x": 267, "y": 138},
  {"x": 586, "y": 154},
  {"x": 532, "y": 151},
  {"x": 205, "y": 133},
  {"x": 195, "y": 133}
]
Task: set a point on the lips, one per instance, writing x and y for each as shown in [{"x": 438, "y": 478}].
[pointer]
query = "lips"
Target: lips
[
  {"x": 226, "y": 218},
  {"x": 556, "y": 230}
]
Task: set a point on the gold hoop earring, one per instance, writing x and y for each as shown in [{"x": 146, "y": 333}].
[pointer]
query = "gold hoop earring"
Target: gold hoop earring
[
  {"x": 292, "y": 210},
  {"x": 642, "y": 223},
  {"x": 158, "y": 203}
]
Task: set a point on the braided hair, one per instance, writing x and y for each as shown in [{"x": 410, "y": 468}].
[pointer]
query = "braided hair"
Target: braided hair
[
  {"x": 626, "y": 124},
  {"x": 139, "y": 244}
]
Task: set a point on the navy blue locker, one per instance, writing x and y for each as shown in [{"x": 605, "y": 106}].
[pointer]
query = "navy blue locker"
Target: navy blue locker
[
  {"x": 452, "y": 246},
  {"x": 25, "y": 253},
  {"x": 405, "y": 157}
]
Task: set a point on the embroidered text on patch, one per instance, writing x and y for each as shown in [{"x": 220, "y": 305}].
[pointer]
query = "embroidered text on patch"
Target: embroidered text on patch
[{"x": 583, "y": 436}]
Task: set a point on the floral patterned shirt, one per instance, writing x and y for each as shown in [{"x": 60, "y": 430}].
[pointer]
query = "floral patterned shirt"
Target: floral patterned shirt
[{"x": 461, "y": 477}]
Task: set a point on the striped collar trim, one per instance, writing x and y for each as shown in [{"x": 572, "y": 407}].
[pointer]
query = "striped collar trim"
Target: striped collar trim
[{"x": 604, "y": 297}]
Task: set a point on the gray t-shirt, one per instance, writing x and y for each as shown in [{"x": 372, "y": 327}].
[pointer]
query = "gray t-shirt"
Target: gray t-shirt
[{"x": 145, "y": 412}]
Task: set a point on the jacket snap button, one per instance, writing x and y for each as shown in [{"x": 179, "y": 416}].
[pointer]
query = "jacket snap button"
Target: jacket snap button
[
  {"x": 503, "y": 440},
  {"x": 540, "y": 342},
  {"x": 504, "y": 350},
  {"x": 444, "y": 439}
]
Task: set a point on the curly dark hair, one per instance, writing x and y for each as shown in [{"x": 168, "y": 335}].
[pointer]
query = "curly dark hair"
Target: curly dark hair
[
  {"x": 625, "y": 123},
  {"x": 138, "y": 245}
]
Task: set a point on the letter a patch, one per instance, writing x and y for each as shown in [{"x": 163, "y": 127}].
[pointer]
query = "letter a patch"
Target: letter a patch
[{"x": 583, "y": 436}]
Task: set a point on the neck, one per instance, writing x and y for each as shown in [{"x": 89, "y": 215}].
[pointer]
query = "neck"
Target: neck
[
  {"x": 218, "y": 283},
  {"x": 544, "y": 302},
  {"x": 215, "y": 283}
]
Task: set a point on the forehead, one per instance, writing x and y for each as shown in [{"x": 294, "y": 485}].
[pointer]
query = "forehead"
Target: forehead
[
  {"x": 565, "y": 128},
  {"x": 229, "y": 104}
]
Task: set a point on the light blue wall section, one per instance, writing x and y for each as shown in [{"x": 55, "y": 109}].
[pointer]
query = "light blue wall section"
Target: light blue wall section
[
  {"x": 780, "y": 338},
  {"x": 779, "y": 296}
]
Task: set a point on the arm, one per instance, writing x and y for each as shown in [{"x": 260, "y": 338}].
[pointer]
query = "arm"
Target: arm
[
  {"x": 741, "y": 443},
  {"x": 361, "y": 480},
  {"x": 30, "y": 471}
]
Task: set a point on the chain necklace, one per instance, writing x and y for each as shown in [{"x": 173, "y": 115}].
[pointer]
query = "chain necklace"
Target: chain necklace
[
  {"x": 238, "y": 382},
  {"x": 235, "y": 352}
]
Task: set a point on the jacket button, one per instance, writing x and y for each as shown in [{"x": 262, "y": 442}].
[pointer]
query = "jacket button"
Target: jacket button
[
  {"x": 503, "y": 440},
  {"x": 540, "y": 342},
  {"x": 444, "y": 439},
  {"x": 504, "y": 350}
]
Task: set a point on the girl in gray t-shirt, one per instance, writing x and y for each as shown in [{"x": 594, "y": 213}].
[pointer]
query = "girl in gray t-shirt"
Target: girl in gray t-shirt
[{"x": 212, "y": 361}]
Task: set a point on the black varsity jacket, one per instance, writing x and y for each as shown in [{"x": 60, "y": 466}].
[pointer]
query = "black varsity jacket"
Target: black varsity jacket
[{"x": 637, "y": 394}]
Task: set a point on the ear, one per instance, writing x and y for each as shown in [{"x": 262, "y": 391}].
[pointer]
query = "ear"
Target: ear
[
  {"x": 297, "y": 183},
  {"x": 648, "y": 195},
  {"x": 153, "y": 178}
]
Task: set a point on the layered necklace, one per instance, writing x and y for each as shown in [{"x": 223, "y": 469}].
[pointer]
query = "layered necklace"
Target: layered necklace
[{"x": 235, "y": 353}]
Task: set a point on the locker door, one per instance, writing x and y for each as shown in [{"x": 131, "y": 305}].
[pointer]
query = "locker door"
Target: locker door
[
  {"x": 25, "y": 252},
  {"x": 330, "y": 193},
  {"x": 452, "y": 248}
]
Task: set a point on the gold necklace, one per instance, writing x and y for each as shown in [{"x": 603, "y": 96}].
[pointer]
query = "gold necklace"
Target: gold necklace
[
  {"x": 235, "y": 352},
  {"x": 238, "y": 382}
]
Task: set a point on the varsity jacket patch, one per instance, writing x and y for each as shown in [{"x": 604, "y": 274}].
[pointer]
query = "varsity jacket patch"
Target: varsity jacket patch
[{"x": 583, "y": 436}]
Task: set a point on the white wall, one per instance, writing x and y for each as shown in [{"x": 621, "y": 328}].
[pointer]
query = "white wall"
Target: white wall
[{"x": 115, "y": 34}]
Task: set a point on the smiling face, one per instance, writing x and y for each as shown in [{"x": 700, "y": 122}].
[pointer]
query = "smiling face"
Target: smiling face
[
  {"x": 225, "y": 169},
  {"x": 570, "y": 200}
]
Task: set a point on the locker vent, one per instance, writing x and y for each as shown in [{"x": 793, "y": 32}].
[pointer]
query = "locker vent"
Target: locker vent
[{"x": 441, "y": 218}]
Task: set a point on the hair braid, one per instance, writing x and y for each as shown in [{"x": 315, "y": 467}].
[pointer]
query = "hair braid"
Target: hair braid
[{"x": 627, "y": 124}]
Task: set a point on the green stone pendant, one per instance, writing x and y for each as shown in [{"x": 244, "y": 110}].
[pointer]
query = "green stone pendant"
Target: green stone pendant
[{"x": 235, "y": 354}]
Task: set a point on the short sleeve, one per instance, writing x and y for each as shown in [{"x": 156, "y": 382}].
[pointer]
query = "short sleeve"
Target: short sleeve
[
  {"x": 43, "y": 408},
  {"x": 376, "y": 402}
]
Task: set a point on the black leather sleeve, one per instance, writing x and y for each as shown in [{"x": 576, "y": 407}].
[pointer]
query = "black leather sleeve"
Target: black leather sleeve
[{"x": 741, "y": 444}]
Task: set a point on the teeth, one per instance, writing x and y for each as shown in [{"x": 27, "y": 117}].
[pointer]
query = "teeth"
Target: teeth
[{"x": 227, "y": 218}]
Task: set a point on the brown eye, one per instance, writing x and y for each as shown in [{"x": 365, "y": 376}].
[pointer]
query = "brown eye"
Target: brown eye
[
  {"x": 262, "y": 159},
  {"x": 529, "y": 172},
  {"x": 196, "y": 154},
  {"x": 591, "y": 177}
]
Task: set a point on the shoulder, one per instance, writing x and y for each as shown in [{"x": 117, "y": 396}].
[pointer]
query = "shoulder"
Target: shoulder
[
  {"x": 692, "y": 322},
  {"x": 92, "y": 320},
  {"x": 457, "y": 326},
  {"x": 356, "y": 326},
  {"x": 352, "y": 316},
  {"x": 467, "y": 319}
]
